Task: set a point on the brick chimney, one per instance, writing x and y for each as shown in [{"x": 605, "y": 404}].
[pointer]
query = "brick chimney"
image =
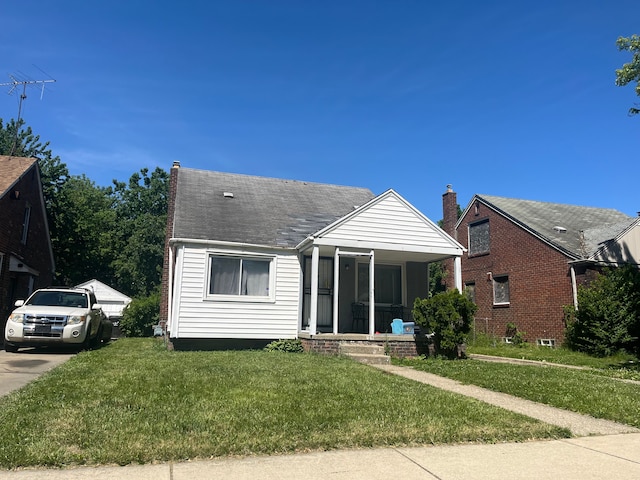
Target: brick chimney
[
  {"x": 449, "y": 211},
  {"x": 164, "y": 289},
  {"x": 449, "y": 219}
]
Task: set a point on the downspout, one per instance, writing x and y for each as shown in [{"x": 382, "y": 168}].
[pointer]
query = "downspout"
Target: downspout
[
  {"x": 336, "y": 288},
  {"x": 170, "y": 291},
  {"x": 574, "y": 287}
]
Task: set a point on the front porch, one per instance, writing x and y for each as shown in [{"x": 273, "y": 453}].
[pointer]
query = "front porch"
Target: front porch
[{"x": 400, "y": 346}]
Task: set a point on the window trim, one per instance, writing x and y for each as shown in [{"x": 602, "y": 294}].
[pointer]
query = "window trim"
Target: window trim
[
  {"x": 241, "y": 298},
  {"x": 475, "y": 224},
  {"x": 494, "y": 280}
]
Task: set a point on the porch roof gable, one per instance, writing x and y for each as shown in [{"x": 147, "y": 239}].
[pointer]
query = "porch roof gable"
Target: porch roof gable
[{"x": 387, "y": 222}]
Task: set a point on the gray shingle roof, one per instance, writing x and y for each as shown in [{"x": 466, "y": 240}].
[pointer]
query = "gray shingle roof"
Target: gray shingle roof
[
  {"x": 263, "y": 211},
  {"x": 580, "y": 230}
]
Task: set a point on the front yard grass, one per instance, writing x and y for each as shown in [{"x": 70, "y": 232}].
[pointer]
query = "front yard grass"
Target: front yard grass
[
  {"x": 135, "y": 402},
  {"x": 582, "y": 391}
]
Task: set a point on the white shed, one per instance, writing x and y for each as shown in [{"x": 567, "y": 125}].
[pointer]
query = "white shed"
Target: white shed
[{"x": 112, "y": 301}]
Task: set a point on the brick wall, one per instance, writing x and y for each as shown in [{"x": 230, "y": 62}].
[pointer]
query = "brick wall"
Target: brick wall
[
  {"x": 35, "y": 253},
  {"x": 396, "y": 348},
  {"x": 539, "y": 279},
  {"x": 164, "y": 292}
]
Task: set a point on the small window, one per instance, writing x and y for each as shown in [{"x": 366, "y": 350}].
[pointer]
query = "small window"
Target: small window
[
  {"x": 1, "y": 262},
  {"x": 479, "y": 239},
  {"x": 501, "y": 290},
  {"x": 25, "y": 224},
  {"x": 239, "y": 276},
  {"x": 470, "y": 291}
]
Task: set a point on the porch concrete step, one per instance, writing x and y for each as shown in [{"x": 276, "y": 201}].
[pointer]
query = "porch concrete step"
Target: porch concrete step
[
  {"x": 359, "y": 347},
  {"x": 364, "y": 353},
  {"x": 370, "y": 359}
]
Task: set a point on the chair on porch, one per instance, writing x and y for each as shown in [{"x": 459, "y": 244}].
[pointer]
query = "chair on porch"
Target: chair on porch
[{"x": 359, "y": 315}]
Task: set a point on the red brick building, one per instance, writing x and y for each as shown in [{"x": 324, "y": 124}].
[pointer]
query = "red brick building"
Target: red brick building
[
  {"x": 525, "y": 258},
  {"x": 26, "y": 257}
]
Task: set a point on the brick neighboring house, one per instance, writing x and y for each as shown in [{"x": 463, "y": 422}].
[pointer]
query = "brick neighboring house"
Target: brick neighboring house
[
  {"x": 26, "y": 256},
  {"x": 526, "y": 258}
]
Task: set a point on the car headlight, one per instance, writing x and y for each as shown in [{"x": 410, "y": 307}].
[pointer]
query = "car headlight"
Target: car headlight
[
  {"x": 76, "y": 319},
  {"x": 17, "y": 317}
]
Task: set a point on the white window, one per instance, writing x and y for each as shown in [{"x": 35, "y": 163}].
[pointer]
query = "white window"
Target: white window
[
  {"x": 387, "y": 283},
  {"x": 238, "y": 277},
  {"x": 501, "y": 290},
  {"x": 25, "y": 224}
]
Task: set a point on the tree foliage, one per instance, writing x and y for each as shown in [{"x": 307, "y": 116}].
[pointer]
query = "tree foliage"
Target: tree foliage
[
  {"x": 630, "y": 72},
  {"x": 139, "y": 317},
  {"x": 448, "y": 315},
  {"x": 114, "y": 234},
  {"x": 608, "y": 315},
  {"x": 140, "y": 208}
]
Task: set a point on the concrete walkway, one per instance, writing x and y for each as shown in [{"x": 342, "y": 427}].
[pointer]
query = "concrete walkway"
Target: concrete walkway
[{"x": 580, "y": 425}]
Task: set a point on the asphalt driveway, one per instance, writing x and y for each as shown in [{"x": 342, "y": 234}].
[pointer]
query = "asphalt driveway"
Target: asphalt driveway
[{"x": 18, "y": 369}]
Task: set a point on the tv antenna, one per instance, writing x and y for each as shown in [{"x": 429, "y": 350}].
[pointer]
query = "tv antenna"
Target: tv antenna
[{"x": 15, "y": 84}]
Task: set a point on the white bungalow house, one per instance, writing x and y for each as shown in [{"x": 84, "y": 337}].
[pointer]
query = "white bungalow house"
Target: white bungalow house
[{"x": 251, "y": 258}]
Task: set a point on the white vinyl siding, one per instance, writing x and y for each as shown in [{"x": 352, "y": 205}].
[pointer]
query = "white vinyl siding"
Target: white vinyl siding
[
  {"x": 195, "y": 316},
  {"x": 390, "y": 222}
]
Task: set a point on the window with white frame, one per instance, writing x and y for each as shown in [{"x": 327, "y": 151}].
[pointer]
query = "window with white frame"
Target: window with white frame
[
  {"x": 238, "y": 276},
  {"x": 387, "y": 283},
  {"x": 501, "y": 290}
]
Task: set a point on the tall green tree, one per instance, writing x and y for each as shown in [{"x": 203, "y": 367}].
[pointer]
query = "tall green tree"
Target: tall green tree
[
  {"x": 630, "y": 72},
  {"x": 141, "y": 213},
  {"x": 85, "y": 225}
]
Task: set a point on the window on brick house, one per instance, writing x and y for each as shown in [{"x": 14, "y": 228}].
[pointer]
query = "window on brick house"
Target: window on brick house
[
  {"x": 501, "y": 290},
  {"x": 25, "y": 224},
  {"x": 470, "y": 290},
  {"x": 479, "y": 238}
]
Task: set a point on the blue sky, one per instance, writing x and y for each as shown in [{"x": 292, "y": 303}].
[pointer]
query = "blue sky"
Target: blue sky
[{"x": 505, "y": 98}]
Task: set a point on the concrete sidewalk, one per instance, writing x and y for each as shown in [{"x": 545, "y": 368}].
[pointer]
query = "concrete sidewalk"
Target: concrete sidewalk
[{"x": 612, "y": 456}]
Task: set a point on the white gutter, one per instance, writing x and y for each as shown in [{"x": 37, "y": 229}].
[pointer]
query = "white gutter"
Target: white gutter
[{"x": 193, "y": 241}]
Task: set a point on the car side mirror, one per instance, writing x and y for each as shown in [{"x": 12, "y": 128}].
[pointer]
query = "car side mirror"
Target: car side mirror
[{"x": 19, "y": 303}]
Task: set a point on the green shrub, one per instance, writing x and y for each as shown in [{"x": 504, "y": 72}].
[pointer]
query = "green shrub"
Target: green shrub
[
  {"x": 517, "y": 337},
  {"x": 289, "y": 345},
  {"x": 448, "y": 315},
  {"x": 140, "y": 316},
  {"x": 608, "y": 315}
]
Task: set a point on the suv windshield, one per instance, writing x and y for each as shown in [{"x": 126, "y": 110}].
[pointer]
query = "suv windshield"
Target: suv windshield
[{"x": 58, "y": 299}]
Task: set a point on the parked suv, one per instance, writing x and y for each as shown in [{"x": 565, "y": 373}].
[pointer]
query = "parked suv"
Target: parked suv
[{"x": 57, "y": 316}]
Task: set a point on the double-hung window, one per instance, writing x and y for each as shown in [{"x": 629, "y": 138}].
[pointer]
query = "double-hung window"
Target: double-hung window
[
  {"x": 501, "y": 294},
  {"x": 240, "y": 277}
]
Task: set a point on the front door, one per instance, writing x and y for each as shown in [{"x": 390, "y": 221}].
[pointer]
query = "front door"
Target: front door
[{"x": 325, "y": 294}]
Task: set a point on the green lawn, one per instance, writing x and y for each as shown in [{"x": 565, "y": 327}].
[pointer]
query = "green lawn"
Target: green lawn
[
  {"x": 134, "y": 401},
  {"x": 583, "y": 391}
]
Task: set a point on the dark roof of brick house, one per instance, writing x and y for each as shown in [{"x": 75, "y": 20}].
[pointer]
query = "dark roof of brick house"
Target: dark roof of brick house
[
  {"x": 257, "y": 210},
  {"x": 11, "y": 170},
  {"x": 574, "y": 229}
]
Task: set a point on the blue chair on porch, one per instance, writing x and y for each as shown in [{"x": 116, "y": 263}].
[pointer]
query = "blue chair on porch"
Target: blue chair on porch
[{"x": 359, "y": 315}]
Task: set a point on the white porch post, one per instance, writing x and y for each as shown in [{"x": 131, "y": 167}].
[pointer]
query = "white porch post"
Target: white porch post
[
  {"x": 372, "y": 297},
  {"x": 313, "y": 313},
  {"x": 457, "y": 273},
  {"x": 336, "y": 289}
]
